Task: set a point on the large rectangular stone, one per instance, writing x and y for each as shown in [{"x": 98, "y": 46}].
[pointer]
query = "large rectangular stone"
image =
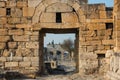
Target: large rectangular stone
[
  {"x": 69, "y": 18},
  {"x": 2, "y": 45},
  {"x": 24, "y": 64},
  {"x": 32, "y": 45},
  {"x": 48, "y": 17},
  {"x": 35, "y": 64},
  {"x": 21, "y": 4},
  {"x": 4, "y": 38},
  {"x": 16, "y": 32},
  {"x": 12, "y": 45},
  {"x": 34, "y": 38},
  {"x": 21, "y": 38},
  {"x": 27, "y": 59},
  {"x": 3, "y": 20},
  {"x": 11, "y": 3},
  {"x": 108, "y": 42},
  {"x": 33, "y": 3},
  {"x": 2, "y": 4},
  {"x": 16, "y": 58},
  {"x": 11, "y": 64},
  {"x": 34, "y": 59},
  {"x": 103, "y": 14},
  {"x": 28, "y": 11},
  {"x": 2, "y": 12},
  {"x": 3, "y": 31},
  {"x": 23, "y": 26},
  {"x": 2, "y": 59},
  {"x": 14, "y": 20}
]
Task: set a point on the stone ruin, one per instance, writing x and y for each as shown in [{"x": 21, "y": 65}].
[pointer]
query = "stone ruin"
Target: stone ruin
[{"x": 24, "y": 23}]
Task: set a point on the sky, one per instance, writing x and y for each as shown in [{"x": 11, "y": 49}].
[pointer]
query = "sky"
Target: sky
[{"x": 59, "y": 38}]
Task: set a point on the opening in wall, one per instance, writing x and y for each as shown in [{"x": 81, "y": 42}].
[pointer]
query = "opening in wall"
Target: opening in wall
[
  {"x": 58, "y": 17},
  {"x": 8, "y": 11},
  {"x": 101, "y": 56},
  {"x": 109, "y": 25}
]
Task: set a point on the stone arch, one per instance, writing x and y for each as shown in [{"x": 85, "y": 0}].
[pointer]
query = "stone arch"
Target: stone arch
[{"x": 45, "y": 3}]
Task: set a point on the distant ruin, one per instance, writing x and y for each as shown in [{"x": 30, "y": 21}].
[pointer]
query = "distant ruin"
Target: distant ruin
[{"x": 24, "y": 23}]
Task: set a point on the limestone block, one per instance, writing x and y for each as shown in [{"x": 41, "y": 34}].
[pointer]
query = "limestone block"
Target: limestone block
[
  {"x": 100, "y": 47},
  {"x": 59, "y": 7},
  {"x": 12, "y": 45},
  {"x": 109, "y": 53},
  {"x": 2, "y": 59},
  {"x": 24, "y": 64},
  {"x": 34, "y": 38},
  {"x": 95, "y": 26},
  {"x": 11, "y": 64},
  {"x": 15, "y": 32},
  {"x": 3, "y": 20},
  {"x": 69, "y": 18},
  {"x": 16, "y": 12},
  {"x": 3, "y": 32},
  {"x": 2, "y": 4},
  {"x": 21, "y": 4},
  {"x": 13, "y": 20},
  {"x": 35, "y": 59},
  {"x": 2, "y": 12},
  {"x": 28, "y": 11},
  {"x": 35, "y": 64},
  {"x": 91, "y": 48},
  {"x": 16, "y": 58},
  {"x": 103, "y": 14},
  {"x": 108, "y": 42},
  {"x": 27, "y": 59},
  {"x": 48, "y": 17},
  {"x": 21, "y": 38},
  {"x": 2, "y": 45},
  {"x": 23, "y": 26},
  {"x": 11, "y": 3},
  {"x": 107, "y": 47},
  {"x": 33, "y": 3},
  {"x": 76, "y": 6},
  {"x": 4, "y": 38},
  {"x": 6, "y": 53},
  {"x": 32, "y": 45}
]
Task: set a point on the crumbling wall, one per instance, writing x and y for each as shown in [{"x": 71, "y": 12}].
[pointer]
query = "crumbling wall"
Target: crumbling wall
[{"x": 22, "y": 20}]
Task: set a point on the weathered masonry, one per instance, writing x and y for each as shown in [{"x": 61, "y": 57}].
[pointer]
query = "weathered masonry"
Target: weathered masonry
[{"x": 23, "y": 24}]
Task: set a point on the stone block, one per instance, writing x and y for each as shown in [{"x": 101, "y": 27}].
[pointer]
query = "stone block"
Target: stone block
[
  {"x": 34, "y": 59},
  {"x": 2, "y": 45},
  {"x": 35, "y": 64},
  {"x": 108, "y": 42},
  {"x": 48, "y": 17},
  {"x": 28, "y": 11},
  {"x": 6, "y": 53},
  {"x": 2, "y": 4},
  {"x": 103, "y": 14},
  {"x": 69, "y": 18},
  {"x": 16, "y": 12},
  {"x": 59, "y": 7},
  {"x": 27, "y": 59},
  {"x": 11, "y": 64},
  {"x": 16, "y": 58},
  {"x": 2, "y": 59},
  {"x": 11, "y": 3},
  {"x": 2, "y": 12},
  {"x": 24, "y": 64},
  {"x": 96, "y": 42},
  {"x": 16, "y": 32},
  {"x": 34, "y": 38},
  {"x": 13, "y": 20},
  {"x": 21, "y": 4},
  {"x": 12, "y": 45},
  {"x": 33, "y": 3},
  {"x": 21, "y": 38},
  {"x": 23, "y": 26},
  {"x": 3, "y": 31},
  {"x": 32, "y": 45},
  {"x": 3, "y": 20},
  {"x": 4, "y": 38},
  {"x": 109, "y": 53}
]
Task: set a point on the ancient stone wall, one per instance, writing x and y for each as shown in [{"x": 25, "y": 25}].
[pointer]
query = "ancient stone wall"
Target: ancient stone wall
[{"x": 21, "y": 22}]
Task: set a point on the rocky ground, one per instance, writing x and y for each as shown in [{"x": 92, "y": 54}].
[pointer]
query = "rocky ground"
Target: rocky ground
[{"x": 73, "y": 77}]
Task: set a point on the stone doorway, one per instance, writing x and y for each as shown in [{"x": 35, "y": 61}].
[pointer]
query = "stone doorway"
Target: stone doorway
[{"x": 53, "y": 64}]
